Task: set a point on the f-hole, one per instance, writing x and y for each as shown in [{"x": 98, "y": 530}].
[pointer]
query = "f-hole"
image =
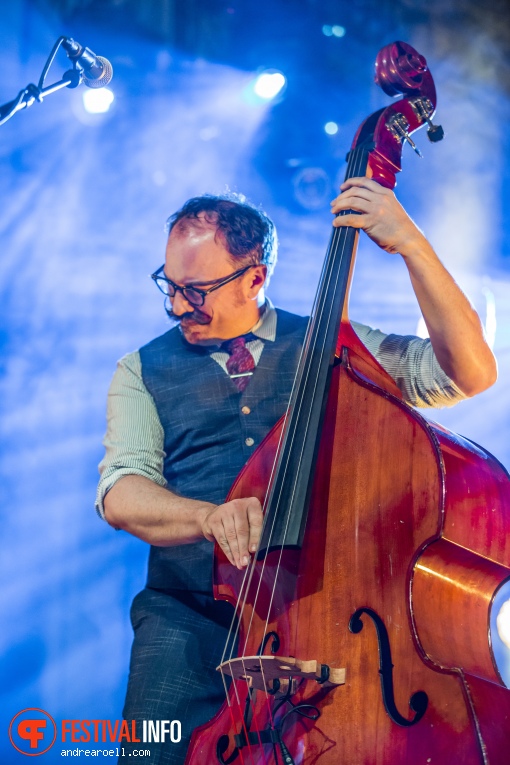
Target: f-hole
[{"x": 418, "y": 701}]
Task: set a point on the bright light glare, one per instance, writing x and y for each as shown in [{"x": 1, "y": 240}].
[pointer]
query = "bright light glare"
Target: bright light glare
[
  {"x": 333, "y": 31},
  {"x": 331, "y": 128},
  {"x": 97, "y": 101},
  {"x": 503, "y": 622},
  {"x": 269, "y": 84},
  {"x": 490, "y": 316},
  {"x": 421, "y": 329}
]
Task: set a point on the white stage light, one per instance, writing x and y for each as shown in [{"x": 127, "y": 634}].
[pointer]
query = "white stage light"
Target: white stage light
[
  {"x": 97, "y": 101},
  {"x": 331, "y": 128},
  {"x": 503, "y": 622},
  {"x": 269, "y": 84},
  {"x": 337, "y": 30}
]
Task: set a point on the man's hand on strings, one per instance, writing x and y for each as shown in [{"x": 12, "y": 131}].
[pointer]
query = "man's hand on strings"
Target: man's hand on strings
[
  {"x": 380, "y": 215},
  {"x": 236, "y": 526}
]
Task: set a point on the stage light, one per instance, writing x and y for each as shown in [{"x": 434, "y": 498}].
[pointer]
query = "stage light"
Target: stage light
[
  {"x": 499, "y": 631},
  {"x": 331, "y": 128},
  {"x": 97, "y": 101},
  {"x": 337, "y": 30},
  {"x": 503, "y": 623},
  {"x": 269, "y": 84}
]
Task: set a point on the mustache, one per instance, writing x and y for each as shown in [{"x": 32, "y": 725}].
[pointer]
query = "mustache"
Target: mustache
[{"x": 193, "y": 317}]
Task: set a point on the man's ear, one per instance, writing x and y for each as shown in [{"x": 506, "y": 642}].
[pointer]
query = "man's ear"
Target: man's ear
[{"x": 258, "y": 276}]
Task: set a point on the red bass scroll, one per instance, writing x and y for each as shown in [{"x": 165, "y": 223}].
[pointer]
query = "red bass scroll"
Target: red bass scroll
[{"x": 368, "y": 624}]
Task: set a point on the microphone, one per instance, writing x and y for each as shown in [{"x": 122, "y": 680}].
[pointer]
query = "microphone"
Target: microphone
[{"x": 97, "y": 71}]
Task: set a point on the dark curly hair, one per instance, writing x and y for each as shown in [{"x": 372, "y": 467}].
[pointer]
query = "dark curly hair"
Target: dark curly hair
[{"x": 247, "y": 232}]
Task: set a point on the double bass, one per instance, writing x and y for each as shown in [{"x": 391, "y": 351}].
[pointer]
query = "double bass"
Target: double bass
[{"x": 366, "y": 625}]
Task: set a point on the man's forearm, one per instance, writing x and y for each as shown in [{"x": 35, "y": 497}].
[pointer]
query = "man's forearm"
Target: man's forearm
[
  {"x": 454, "y": 327},
  {"x": 154, "y": 514}
]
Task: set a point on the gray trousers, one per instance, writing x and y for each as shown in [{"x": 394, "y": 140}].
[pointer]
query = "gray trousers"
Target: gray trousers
[{"x": 179, "y": 639}]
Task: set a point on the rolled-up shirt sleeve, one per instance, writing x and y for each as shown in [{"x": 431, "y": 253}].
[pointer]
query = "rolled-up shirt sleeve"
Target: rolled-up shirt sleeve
[
  {"x": 134, "y": 438},
  {"x": 412, "y": 363}
]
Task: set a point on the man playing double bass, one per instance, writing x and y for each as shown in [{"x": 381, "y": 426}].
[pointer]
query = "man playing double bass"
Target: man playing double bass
[{"x": 188, "y": 409}]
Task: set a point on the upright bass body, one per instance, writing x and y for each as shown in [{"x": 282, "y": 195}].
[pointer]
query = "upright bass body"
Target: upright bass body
[
  {"x": 412, "y": 525},
  {"x": 366, "y": 630}
]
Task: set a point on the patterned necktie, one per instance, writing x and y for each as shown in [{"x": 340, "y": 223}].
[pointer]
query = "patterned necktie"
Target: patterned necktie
[{"x": 241, "y": 363}]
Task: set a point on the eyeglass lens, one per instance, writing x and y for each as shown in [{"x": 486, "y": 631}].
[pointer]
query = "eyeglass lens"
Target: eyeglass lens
[{"x": 191, "y": 295}]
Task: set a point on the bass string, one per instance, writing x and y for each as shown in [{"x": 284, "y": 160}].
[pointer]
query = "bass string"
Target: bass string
[
  {"x": 242, "y": 598},
  {"x": 355, "y": 163},
  {"x": 249, "y": 698},
  {"x": 357, "y": 166},
  {"x": 275, "y": 466},
  {"x": 283, "y": 467},
  {"x": 353, "y": 168},
  {"x": 241, "y": 713},
  {"x": 280, "y": 448},
  {"x": 246, "y": 584},
  {"x": 279, "y": 451},
  {"x": 247, "y": 580}
]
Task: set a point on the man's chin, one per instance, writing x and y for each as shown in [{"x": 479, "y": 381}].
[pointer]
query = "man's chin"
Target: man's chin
[{"x": 197, "y": 334}]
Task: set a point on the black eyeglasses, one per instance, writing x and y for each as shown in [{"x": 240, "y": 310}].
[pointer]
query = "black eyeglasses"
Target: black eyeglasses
[{"x": 193, "y": 295}]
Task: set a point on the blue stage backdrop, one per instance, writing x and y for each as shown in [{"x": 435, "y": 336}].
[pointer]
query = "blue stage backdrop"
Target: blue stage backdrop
[{"x": 84, "y": 199}]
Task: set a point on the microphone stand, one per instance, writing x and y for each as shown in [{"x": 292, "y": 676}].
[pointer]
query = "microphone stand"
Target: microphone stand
[{"x": 33, "y": 93}]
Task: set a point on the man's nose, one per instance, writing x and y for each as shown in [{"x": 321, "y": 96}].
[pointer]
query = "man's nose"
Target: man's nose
[{"x": 180, "y": 305}]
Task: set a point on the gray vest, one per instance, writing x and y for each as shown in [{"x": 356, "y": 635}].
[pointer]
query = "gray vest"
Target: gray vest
[{"x": 206, "y": 431}]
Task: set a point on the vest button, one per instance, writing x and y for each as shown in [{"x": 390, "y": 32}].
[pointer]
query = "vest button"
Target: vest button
[
  {"x": 249, "y": 442},
  {"x": 246, "y": 410}
]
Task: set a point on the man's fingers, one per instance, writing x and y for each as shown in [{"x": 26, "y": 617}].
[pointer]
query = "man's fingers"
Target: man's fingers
[
  {"x": 354, "y": 193},
  {"x": 248, "y": 519},
  {"x": 255, "y": 519},
  {"x": 353, "y": 220},
  {"x": 352, "y": 203},
  {"x": 363, "y": 182},
  {"x": 243, "y": 534},
  {"x": 230, "y": 534},
  {"x": 220, "y": 535},
  {"x": 235, "y": 526}
]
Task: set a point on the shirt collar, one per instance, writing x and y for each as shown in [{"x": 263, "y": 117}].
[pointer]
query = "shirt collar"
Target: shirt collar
[{"x": 265, "y": 328}]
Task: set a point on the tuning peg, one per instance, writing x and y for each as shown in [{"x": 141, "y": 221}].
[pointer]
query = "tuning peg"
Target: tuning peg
[
  {"x": 424, "y": 110},
  {"x": 435, "y": 133},
  {"x": 412, "y": 144},
  {"x": 398, "y": 126}
]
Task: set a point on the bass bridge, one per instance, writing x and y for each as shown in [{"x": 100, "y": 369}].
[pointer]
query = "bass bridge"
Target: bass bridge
[
  {"x": 280, "y": 674},
  {"x": 279, "y": 677}
]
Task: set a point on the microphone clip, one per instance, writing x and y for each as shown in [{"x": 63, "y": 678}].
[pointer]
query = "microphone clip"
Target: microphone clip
[{"x": 95, "y": 71}]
